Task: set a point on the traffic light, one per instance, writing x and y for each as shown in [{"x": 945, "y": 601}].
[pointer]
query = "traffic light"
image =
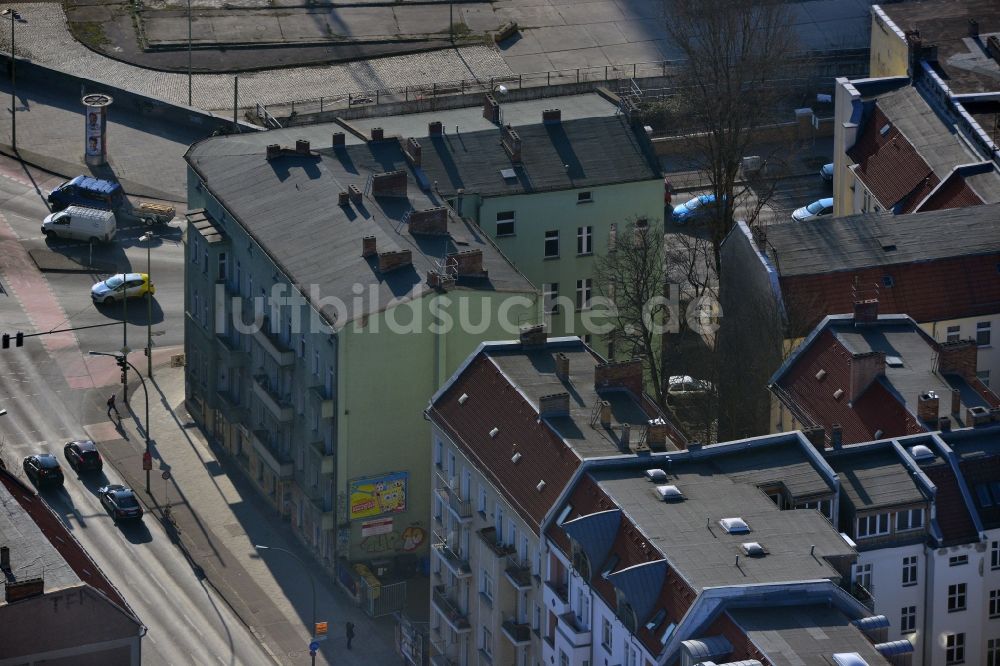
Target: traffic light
[
  {"x": 5, "y": 341},
  {"x": 124, "y": 378},
  {"x": 19, "y": 339},
  {"x": 145, "y": 351}
]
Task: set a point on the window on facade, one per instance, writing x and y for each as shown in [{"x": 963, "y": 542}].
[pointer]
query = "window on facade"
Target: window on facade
[
  {"x": 954, "y": 332},
  {"x": 956, "y": 597},
  {"x": 994, "y": 603},
  {"x": 486, "y": 585},
  {"x": 505, "y": 223},
  {"x": 612, "y": 237},
  {"x": 552, "y": 243},
  {"x": 984, "y": 377},
  {"x": 910, "y": 570},
  {"x": 995, "y": 554},
  {"x": 482, "y": 500},
  {"x": 954, "y": 649},
  {"x": 563, "y": 658},
  {"x": 550, "y": 291},
  {"x": 958, "y": 560},
  {"x": 908, "y": 619},
  {"x": 223, "y": 265},
  {"x": 606, "y": 634},
  {"x": 863, "y": 575},
  {"x": 438, "y": 453},
  {"x": 204, "y": 260},
  {"x": 316, "y": 363},
  {"x": 874, "y": 525},
  {"x": 487, "y": 641},
  {"x": 993, "y": 652},
  {"x": 583, "y": 293},
  {"x": 912, "y": 519},
  {"x": 584, "y": 197},
  {"x": 983, "y": 330},
  {"x": 584, "y": 240}
]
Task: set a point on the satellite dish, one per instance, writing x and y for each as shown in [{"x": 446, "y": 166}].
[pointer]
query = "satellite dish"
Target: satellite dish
[{"x": 502, "y": 89}]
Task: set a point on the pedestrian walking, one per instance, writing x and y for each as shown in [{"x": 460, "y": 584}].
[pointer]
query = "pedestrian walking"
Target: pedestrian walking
[
  {"x": 349, "y": 628},
  {"x": 112, "y": 406}
]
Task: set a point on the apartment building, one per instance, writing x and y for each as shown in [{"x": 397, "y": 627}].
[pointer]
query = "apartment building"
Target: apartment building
[
  {"x": 586, "y": 533},
  {"x": 510, "y": 429},
  {"x": 867, "y": 376},
  {"x": 919, "y": 134},
  {"x": 329, "y": 293},
  {"x": 57, "y": 606},
  {"x": 779, "y": 283}
]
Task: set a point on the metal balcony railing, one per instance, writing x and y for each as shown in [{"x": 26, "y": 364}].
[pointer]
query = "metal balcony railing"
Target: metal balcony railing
[
  {"x": 448, "y": 491},
  {"x": 491, "y": 539},
  {"x": 450, "y": 609}
]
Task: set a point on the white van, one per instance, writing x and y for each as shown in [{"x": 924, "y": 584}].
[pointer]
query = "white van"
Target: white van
[{"x": 77, "y": 222}]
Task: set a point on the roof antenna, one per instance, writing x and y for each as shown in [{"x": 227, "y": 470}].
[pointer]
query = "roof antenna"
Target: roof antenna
[
  {"x": 812, "y": 550},
  {"x": 737, "y": 561}
]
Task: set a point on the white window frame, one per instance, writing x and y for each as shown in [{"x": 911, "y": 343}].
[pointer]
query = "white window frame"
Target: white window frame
[
  {"x": 953, "y": 333},
  {"x": 550, "y": 293},
  {"x": 908, "y": 620},
  {"x": 606, "y": 635},
  {"x": 584, "y": 197},
  {"x": 880, "y": 522},
  {"x": 954, "y": 648},
  {"x": 958, "y": 597},
  {"x": 984, "y": 333},
  {"x": 995, "y": 555},
  {"x": 910, "y": 519},
  {"x": 984, "y": 377},
  {"x": 551, "y": 235},
  {"x": 584, "y": 293},
  {"x": 863, "y": 575},
  {"x": 584, "y": 240},
  {"x": 910, "y": 570},
  {"x": 506, "y": 217},
  {"x": 994, "y": 604}
]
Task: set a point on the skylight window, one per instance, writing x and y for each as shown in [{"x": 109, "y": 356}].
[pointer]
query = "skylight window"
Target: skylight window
[
  {"x": 884, "y": 129},
  {"x": 656, "y": 620},
  {"x": 508, "y": 174},
  {"x": 667, "y": 633},
  {"x": 894, "y": 361},
  {"x": 734, "y": 525},
  {"x": 656, "y": 475},
  {"x": 669, "y": 493},
  {"x": 921, "y": 452},
  {"x": 753, "y": 549},
  {"x": 983, "y": 493},
  {"x": 462, "y": 398}
]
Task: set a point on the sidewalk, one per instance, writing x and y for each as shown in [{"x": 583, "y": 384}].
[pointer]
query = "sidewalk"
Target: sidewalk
[{"x": 218, "y": 520}]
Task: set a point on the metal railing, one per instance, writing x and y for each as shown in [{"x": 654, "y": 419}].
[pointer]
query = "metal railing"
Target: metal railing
[
  {"x": 441, "y": 597},
  {"x": 382, "y": 599},
  {"x": 459, "y": 505}
]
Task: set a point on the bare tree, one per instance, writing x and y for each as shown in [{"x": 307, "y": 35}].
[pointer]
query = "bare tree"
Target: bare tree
[
  {"x": 632, "y": 277},
  {"x": 736, "y": 54}
]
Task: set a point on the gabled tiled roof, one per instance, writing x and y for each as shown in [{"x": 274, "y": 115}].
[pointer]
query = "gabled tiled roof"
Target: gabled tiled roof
[
  {"x": 890, "y": 166},
  {"x": 953, "y": 516},
  {"x": 954, "y": 192}
]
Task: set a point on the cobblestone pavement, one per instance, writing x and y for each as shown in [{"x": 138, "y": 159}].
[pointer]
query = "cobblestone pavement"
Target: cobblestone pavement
[{"x": 43, "y": 37}]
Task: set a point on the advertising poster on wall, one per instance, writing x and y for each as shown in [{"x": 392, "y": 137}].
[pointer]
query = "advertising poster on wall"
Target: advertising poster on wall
[
  {"x": 378, "y": 495},
  {"x": 95, "y": 127}
]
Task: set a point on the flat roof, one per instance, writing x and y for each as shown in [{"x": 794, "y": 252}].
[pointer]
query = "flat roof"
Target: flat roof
[
  {"x": 870, "y": 240},
  {"x": 874, "y": 476},
  {"x": 289, "y": 205},
  {"x": 691, "y": 539},
  {"x": 797, "y": 635}
]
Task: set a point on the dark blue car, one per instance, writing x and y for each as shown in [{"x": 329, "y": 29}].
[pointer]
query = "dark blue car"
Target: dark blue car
[{"x": 89, "y": 192}]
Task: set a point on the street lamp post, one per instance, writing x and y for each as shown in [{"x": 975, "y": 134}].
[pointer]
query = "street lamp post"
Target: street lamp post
[
  {"x": 147, "y": 238},
  {"x": 13, "y": 83},
  {"x": 189, "y": 53},
  {"x": 123, "y": 360},
  {"x": 312, "y": 582}
]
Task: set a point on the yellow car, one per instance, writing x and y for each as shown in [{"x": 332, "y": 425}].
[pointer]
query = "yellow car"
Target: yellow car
[{"x": 122, "y": 286}]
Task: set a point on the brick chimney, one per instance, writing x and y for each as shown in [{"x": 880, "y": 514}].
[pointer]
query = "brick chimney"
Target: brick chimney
[
  {"x": 23, "y": 589},
  {"x": 816, "y": 436},
  {"x": 378, "y": 134},
  {"x": 865, "y": 311},
  {"x": 394, "y": 260},
  {"x": 429, "y": 222},
  {"x": 927, "y": 407},
  {"x": 343, "y": 198},
  {"x": 554, "y": 404},
  {"x": 958, "y": 358},
  {"x": 435, "y": 128},
  {"x": 412, "y": 151},
  {"x": 944, "y": 423},
  {"x": 620, "y": 374},
  {"x": 865, "y": 368},
  {"x": 656, "y": 434},
  {"x": 273, "y": 151},
  {"x": 836, "y": 436},
  {"x": 511, "y": 141},
  {"x": 302, "y": 147},
  {"x": 605, "y": 413},
  {"x": 977, "y": 416},
  {"x": 368, "y": 248},
  {"x": 551, "y": 116},
  {"x": 533, "y": 335},
  {"x": 956, "y": 401},
  {"x": 339, "y": 139},
  {"x": 562, "y": 366},
  {"x": 389, "y": 184},
  {"x": 491, "y": 108},
  {"x": 354, "y": 193},
  {"x": 469, "y": 263}
]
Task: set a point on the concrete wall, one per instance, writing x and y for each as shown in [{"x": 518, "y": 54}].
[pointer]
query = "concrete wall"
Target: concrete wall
[
  {"x": 799, "y": 130},
  {"x": 889, "y": 53}
]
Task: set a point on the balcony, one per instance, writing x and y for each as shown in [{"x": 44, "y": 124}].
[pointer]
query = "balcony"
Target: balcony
[
  {"x": 518, "y": 573},
  {"x": 325, "y": 404},
  {"x": 864, "y": 595},
  {"x": 274, "y": 347},
  {"x": 571, "y": 630},
  {"x": 230, "y": 407},
  {"x": 555, "y": 596},
  {"x": 448, "y": 492},
  {"x": 454, "y": 616},
  {"x": 274, "y": 403},
  {"x": 517, "y": 633},
  {"x": 230, "y": 352},
  {"x": 489, "y": 537},
  {"x": 278, "y": 462},
  {"x": 455, "y": 562},
  {"x": 326, "y": 460}
]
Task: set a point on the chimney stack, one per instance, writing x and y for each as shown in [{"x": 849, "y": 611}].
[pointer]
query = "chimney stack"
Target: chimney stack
[
  {"x": 389, "y": 183},
  {"x": 412, "y": 151},
  {"x": 378, "y": 134},
  {"x": 865, "y": 311},
  {"x": 958, "y": 358},
  {"x": 469, "y": 263},
  {"x": 977, "y": 416},
  {"x": 605, "y": 414},
  {"x": 273, "y": 151},
  {"x": 956, "y": 401},
  {"x": 836, "y": 435},
  {"x": 533, "y": 335},
  {"x": 944, "y": 424},
  {"x": 343, "y": 198},
  {"x": 865, "y": 368},
  {"x": 339, "y": 139},
  {"x": 4, "y": 558},
  {"x": 394, "y": 260},
  {"x": 551, "y": 116},
  {"x": 621, "y": 374},
  {"x": 555, "y": 404},
  {"x": 562, "y": 366},
  {"x": 656, "y": 434},
  {"x": 354, "y": 194},
  {"x": 302, "y": 147},
  {"x": 626, "y": 442},
  {"x": 927, "y": 407},
  {"x": 491, "y": 109},
  {"x": 368, "y": 248},
  {"x": 816, "y": 437},
  {"x": 435, "y": 128},
  {"x": 429, "y": 222},
  {"x": 973, "y": 28},
  {"x": 511, "y": 141}
]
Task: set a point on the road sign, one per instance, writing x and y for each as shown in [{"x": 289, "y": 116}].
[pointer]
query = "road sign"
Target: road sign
[
  {"x": 320, "y": 633},
  {"x": 165, "y": 475},
  {"x": 312, "y": 653},
  {"x": 313, "y": 647},
  {"x": 147, "y": 461}
]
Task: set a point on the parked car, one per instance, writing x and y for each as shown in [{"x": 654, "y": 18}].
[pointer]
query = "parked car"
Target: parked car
[
  {"x": 87, "y": 191},
  {"x": 122, "y": 286},
  {"x": 679, "y": 385},
  {"x": 693, "y": 209},
  {"x": 79, "y": 223},
  {"x": 826, "y": 173},
  {"x": 815, "y": 210},
  {"x": 82, "y": 454},
  {"x": 120, "y": 502},
  {"x": 43, "y": 469}
]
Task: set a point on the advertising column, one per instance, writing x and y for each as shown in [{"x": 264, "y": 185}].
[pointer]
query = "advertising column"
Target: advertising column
[{"x": 95, "y": 149}]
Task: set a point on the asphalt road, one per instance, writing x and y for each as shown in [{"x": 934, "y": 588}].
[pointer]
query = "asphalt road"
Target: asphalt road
[{"x": 49, "y": 401}]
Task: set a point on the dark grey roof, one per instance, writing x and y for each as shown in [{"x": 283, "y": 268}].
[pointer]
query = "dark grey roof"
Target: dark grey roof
[
  {"x": 688, "y": 534},
  {"x": 641, "y": 584},
  {"x": 780, "y": 464},
  {"x": 874, "y": 476},
  {"x": 595, "y": 533},
  {"x": 289, "y": 205},
  {"x": 572, "y": 154},
  {"x": 974, "y": 443},
  {"x": 797, "y": 635},
  {"x": 532, "y": 371},
  {"x": 861, "y": 241}
]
